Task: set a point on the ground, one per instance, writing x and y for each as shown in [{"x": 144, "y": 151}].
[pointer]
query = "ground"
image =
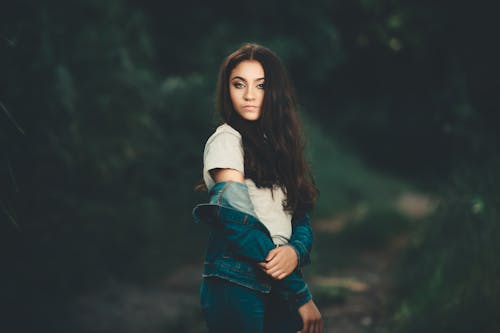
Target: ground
[{"x": 352, "y": 298}]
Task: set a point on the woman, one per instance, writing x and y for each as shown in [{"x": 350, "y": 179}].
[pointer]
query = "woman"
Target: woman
[{"x": 261, "y": 192}]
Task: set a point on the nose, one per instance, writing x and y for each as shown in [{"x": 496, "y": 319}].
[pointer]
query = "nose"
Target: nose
[{"x": 249, "y": 94}]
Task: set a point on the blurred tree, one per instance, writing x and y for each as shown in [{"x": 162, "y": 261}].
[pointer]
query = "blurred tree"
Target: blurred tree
[
  {"x": 101, "y": 172},
  {"x": 105, "y": 107}
]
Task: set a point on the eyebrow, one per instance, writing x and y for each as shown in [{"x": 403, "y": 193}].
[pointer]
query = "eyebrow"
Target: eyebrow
[{"x": 242, "y": 79}]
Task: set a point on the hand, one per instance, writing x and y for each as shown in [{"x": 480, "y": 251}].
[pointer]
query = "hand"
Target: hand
[
  {"x": 311, "y": 318},
  {"x": 280, "y": 262}
]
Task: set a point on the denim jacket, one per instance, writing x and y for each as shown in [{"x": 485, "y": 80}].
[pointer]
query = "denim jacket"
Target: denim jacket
[{"x": 238, "y": 241}]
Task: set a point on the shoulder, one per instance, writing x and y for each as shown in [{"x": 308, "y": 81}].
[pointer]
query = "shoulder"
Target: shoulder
[
  {"x": 225, "y": 130},
  {"x": 223, "y": 150},
  {"x": 224, "y": 134}
]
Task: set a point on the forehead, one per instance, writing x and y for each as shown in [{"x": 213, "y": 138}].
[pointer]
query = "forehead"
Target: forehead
[{"x": 248, "y": 69}]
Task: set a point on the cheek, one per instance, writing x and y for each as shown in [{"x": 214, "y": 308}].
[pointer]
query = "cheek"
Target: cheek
[
  {"x": 261, "y": 96},
  {"x": 233, "y": 96}
]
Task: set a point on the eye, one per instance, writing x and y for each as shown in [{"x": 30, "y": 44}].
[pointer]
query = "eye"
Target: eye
[
  {"x": 238, "y": 85},
  {"x": 260, "y": 86}
]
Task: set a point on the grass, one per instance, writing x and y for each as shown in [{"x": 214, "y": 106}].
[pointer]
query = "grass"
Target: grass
[{"x": 343, "y": 179}]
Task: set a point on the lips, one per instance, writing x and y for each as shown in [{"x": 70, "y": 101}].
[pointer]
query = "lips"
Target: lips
[{"x": 249, "y": 107}]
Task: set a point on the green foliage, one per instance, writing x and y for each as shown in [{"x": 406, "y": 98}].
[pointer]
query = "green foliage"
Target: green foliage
[
  {"x": 449, "y": 279},
  {"x": 345, "y": 182},
  {"x": 105, "y": 106},
  {"x": 106, "y": 168}
]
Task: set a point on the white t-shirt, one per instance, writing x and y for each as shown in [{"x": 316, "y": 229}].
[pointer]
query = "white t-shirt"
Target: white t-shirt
[{"x": 224, "y": 149}]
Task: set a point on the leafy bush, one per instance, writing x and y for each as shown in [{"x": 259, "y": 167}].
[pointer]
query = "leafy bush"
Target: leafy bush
[{"x": 450, "y": 277}]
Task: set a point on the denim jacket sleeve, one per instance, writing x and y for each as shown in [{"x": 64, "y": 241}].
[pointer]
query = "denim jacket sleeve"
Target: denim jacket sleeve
[
  {"x": 302, "y": 239},
  {"x": 249, "y": 238}
]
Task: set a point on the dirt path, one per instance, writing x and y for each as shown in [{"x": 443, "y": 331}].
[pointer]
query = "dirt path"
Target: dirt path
[
  {"x": 368, "y": 279},
  {"x": 172, "y": 304},
  {"x": 367, "y": 284}
]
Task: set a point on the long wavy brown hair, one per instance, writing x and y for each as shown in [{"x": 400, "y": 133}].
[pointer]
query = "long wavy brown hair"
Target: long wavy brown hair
[{"x": 273, "y": 144}]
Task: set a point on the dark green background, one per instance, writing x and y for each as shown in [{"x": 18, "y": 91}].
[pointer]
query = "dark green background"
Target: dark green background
[{"x": 106, "y": 105}]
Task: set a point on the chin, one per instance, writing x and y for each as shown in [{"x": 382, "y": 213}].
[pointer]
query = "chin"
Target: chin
[{"x": 250, "y": 116}]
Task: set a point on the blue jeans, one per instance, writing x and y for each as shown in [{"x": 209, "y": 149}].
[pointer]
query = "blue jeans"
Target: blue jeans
[{"x": 229, "y": 307}]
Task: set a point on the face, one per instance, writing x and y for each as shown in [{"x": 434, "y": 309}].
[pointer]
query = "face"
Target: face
[{"x": 246, "y": 87}]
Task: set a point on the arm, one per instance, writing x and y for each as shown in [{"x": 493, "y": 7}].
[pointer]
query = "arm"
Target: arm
[
  {"x": 283, "y": 260},
  {"x": 248, "y": 238},
  {"x": 302, "y": 238}
]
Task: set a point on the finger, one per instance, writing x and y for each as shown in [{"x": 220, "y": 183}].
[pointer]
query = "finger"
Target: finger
[
  {"x": 319, "y": 325},
  {"x": 273, "y": 268},
  {"x": 273, "y": 264},
  {"x": 307, "y": 326},
  {"x": 276, "y": 274},
  {"x": 278, "y": 269},
  {"x": 271, "y": 254},
  {"x": 282, "y": 269},
  {"x": 277, "y": 258},
  {"x": 311, "y": 328},
  {"x": 315, "y": 327},
  {"x": 285, "y": 259}
]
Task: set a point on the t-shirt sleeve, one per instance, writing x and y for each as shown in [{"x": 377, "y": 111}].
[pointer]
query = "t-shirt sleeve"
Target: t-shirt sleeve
[{"x": 224, "y": 151}]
